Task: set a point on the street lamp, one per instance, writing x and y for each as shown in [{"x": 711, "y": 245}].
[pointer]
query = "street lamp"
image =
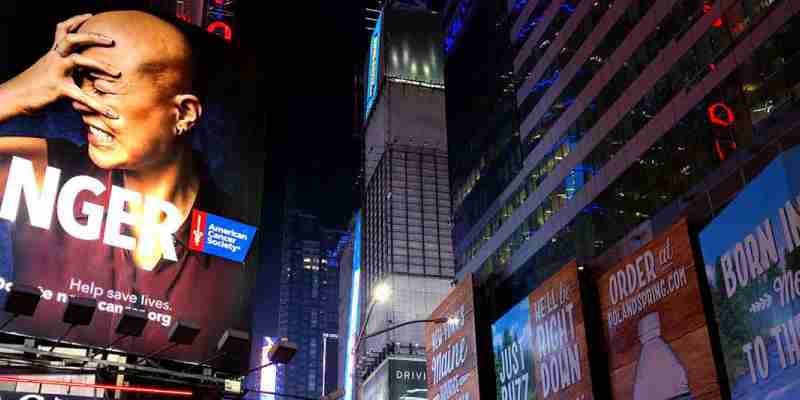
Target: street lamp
[{"x": 380, "y": 294}]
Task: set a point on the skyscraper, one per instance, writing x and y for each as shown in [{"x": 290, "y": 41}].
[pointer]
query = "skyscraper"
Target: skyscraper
[
  {"x": 308, "y": 293},
  {"x": 407, "y": 223}
]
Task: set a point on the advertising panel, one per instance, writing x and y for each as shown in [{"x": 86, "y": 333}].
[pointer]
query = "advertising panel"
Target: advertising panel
[
  {"x": 353, "y": 314},
  {"x": 512, "y": 345},
  {"x": 750, "y": 251},
  {"x": 374, "y": 68},
  {"x": 654, "y": 323},
  {"x": 452, "y": 347},
  {"x": 560, "y": 350},
  {"x": 413, "y": 46},
  {"x": 267, "y": 376},
  {"x": 407, "y": 379},
  {"x": 109, "y": 144}
]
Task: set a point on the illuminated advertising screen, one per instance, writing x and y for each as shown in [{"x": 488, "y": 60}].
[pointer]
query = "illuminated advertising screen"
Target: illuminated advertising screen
[
  {"x": 126, "y": 176},
  {"x": 373, "y": 68},
  {"x": 752, "y": 262},
  {"x": 560, "y": 350},
  {"x": 451, "y": 347},
  {"x": 269, "y": 375},
  {"x": 654, "y": 323},
  {"x": 353, "y": 320},
  {"x": 513, "y": 354},
  {"x": 540, "y": 345}
]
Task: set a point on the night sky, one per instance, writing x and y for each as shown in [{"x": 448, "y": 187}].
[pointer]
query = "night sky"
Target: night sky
[{"x": 312, "y": 51}]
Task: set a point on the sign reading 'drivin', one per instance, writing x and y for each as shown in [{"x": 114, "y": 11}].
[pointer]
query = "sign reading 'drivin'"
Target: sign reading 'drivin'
[
  {"x": 654, "y": 323},
  {"x": 99, "y": 179},
  {"x": 451, "y": 347},
  {"x": 560, "y": 351},
  {"x": 222, "y": 237},
  {"x": 751, "y": 251},
  {"x": 407, "y": 379}
]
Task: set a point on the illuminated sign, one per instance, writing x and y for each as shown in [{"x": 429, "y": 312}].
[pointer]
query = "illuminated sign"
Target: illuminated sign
[
  {"x": 352, "y": 324},
  {"x": 222, "y": 237},
  {"x": 720, "y": 114},
  {"x": 373, "y": 69},
  {"x": 219, "y": 26},
  {"x": 654, "y": 322},
  {"x": 268, "y": 379},
  {"x": 751, "y": 252},
  {"x": 89, "y": 209},
  {"x": 451, "y": 347}
]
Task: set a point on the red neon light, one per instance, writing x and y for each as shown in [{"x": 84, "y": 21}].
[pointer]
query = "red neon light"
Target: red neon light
[
  {"x": 720, "y": 153},
  {"x": 707, "y": 8},
  {"x": 727, "y": 119},
  {"x": 227, "y": 32},
  {"x": 134, "y": 389}
]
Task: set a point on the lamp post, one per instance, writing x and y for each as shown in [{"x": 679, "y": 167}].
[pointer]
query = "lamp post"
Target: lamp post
[
  {"x": 325, "y": 337},
  {"x": 381, "y": 294}
]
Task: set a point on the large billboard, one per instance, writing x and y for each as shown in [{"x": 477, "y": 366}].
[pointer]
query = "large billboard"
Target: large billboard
[
  {"x": 560, "y": 350},
  {"x": 353, "y": 320},
  {"x": 750, "y": 251},
  {"x": 654, "y": 323},
  {"x": 513, "y": 354},
  {"x": 540, "y": 345},
  {"x": 452, "y": 348},
  {"x": 374, "y": 68},
  {"x": 126, "y": 176}
]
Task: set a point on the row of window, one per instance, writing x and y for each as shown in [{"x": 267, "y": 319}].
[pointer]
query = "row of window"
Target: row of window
[
  {"x": 611, "y": 92},
  {"x": 693, "y": 139}
]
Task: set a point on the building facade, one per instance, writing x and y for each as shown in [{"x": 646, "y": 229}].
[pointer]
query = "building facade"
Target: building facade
[
  {"x": 307, "y": 310},
  {"x": 407, "y": 220},
  {"x": 605, "y": 117}
]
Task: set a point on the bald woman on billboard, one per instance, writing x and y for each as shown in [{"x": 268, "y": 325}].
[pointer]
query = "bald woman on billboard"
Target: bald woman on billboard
[{"x": 132, "y": 78}]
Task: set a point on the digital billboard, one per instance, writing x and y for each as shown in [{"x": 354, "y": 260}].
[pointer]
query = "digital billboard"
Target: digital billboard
[
  {"x": 540, "y": 345},
  {"x": 268, "y": 375},
  {"x": 451, "y": 348},
  {"x": 654, "y": 323},
  {"x": 750, "y": 251},
  {"x": 374, "y": 68},
  {"x": 513, "y": 354},
  {"x": 560, "y": 350},
  {"x": 354, "y": 313},
  {"x": 123, "y": 163}
]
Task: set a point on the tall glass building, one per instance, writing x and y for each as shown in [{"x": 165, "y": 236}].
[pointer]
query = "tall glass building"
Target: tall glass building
[
  {"x": 308, "y": 307},
  {"x": 575, "y": 125},
  {"x": 407, "y": 223}
]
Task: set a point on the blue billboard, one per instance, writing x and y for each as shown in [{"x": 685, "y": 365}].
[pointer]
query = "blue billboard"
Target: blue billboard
[
  {"x": 373, "y": 68},
  {"x": 512, "y": 345},
  {"x": 353, "y": 320},
  {"x": 751, "y": 252}
]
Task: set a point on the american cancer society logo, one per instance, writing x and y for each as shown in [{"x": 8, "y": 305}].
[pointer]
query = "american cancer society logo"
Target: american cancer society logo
[{"x": 218, "y": 236}]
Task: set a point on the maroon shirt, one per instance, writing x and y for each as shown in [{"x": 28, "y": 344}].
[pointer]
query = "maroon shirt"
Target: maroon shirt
[{"x": 204, "y": 289}]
